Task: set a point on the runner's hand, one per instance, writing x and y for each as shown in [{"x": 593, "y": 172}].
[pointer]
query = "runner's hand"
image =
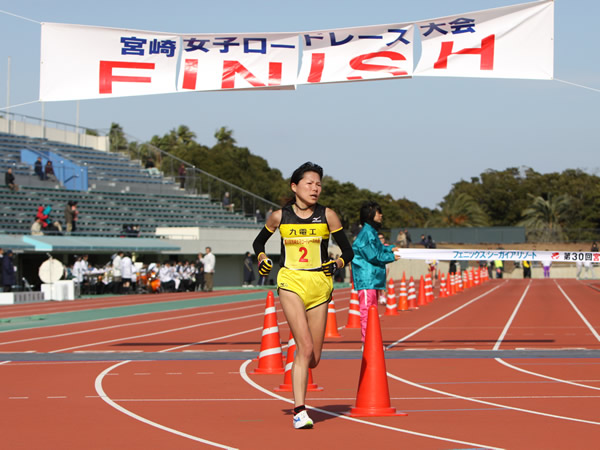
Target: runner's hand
[
  {"x": 265, "y": 266},
  {"x": 329, "y": 267}
]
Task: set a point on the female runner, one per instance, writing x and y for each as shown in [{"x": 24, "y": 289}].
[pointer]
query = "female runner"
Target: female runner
[{"x": 304, "y": 282}]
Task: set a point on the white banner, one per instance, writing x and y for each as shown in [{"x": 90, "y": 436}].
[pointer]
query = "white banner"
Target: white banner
[
  {"x": 238, "y": 61},
  {"x": 492, "y": 255},
  {"x": 510, "y": 42},
  {"x": 354, "y": 54},
  {"x": 82, "y": 62},
  {"x": 79, "y": 62}
]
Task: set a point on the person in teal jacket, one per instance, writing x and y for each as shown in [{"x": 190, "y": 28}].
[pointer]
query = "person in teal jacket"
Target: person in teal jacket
[{"x": 370, "y": 258}]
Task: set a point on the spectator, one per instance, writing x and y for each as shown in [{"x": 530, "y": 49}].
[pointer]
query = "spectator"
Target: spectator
[
  {"x": 71, "y": 216},
  {"x": 248, "y": 270},
  {"x": 181, "y": 176},
  {"x": 127, "y": 269},
  {"x": 187, "y": 277},
  {"x": 8, "y": 271},
  {"x": 38, "y": 169},
  {"x": 36, "y": 227},
  {"x": 9, "y": 180},
  {"x": 594, "y": 247},
  {"x": 408, "y": 238},
  {"x": 499, "y": 268},
  {"x": 199, "y": 273},
  {"x": 401, "y": 239},
  {"x": 423, "y": 241},
  {"x": 166, "y": 275},
  {"x": 588, "y": 270},
  {"x": 49, "y": 226},
  {"x": 1, "y": 261},
  {"x": 117, "y": 272},
  {"x": 209, "y": 262},
  {"x": 546, "y": 263},
  {"x": 526, "y": 269},
  {"x": 227, "y": 202},
  {"x": 49, "y": 171},
  {"x": 151, "y": 168},
  {"x": 259, "y": 217},
  {"x": 452, "y": 267},
  {"x": 80, "y": 272}
]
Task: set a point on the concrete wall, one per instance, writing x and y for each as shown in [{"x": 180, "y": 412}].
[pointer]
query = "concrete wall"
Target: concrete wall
[{"x": 53, "y": 134}]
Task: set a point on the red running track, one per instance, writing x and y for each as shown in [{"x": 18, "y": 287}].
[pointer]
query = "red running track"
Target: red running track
[{"x": 467, "y": 402}]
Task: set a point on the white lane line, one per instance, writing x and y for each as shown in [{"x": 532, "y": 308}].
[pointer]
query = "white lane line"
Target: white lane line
[
  {"x": 128, "y": 324},
  {"x": 497, "y": 405},
  {"x": 511, "y": 318},
  {"x": 158, "y": 332},
  {"x": 559, "y": 380},
  {"x": 109, "y": 401},
  {"x": 587, "y": 323},
  {"x": 246, "y": 378},
  {"x": 408, "y": 336},
  {"x": 540, "y": 375}
]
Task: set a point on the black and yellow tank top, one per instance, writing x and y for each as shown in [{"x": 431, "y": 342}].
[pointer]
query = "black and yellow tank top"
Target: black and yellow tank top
[{"x": 304, "y": 242}]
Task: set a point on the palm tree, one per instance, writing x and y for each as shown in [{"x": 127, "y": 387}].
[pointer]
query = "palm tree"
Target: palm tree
[
  {"x": 459, "y": 210},
  {"x": 543, "y": 218}
]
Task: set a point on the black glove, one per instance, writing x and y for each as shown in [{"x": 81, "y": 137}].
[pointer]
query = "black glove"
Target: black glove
[
  {"x": 264, "y": 267},
  {"x": 329, "y": 267}
]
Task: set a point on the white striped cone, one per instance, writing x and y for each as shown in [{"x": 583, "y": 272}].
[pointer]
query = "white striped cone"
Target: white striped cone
[
  {"x": 391, "y": 307},
  {"x": 270, "y": 359},
  {"x": 354, "y": 311}
]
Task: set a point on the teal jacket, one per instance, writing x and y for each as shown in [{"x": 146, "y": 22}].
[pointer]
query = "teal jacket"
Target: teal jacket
[{"x": 370, "y": 258}]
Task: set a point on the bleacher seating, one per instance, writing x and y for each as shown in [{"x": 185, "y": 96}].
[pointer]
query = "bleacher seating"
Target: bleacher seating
[{"x": 104, "y": 212}]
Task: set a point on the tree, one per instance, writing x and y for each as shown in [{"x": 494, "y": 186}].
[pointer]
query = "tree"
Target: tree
[
  {"x": 544, "y": 218},
  {"x": 117, "y": 139},
  {"x": 459, "y": 210}
]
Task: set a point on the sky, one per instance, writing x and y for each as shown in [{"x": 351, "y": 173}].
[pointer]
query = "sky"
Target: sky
[{"x": 410, "y": 138}]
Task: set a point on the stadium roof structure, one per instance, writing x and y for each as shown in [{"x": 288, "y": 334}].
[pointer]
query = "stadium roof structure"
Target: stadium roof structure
[{"x": 88, "y": 244}]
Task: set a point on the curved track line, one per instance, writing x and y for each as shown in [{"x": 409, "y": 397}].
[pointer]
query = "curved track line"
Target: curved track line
[
  {"x": 108, "y": 400},
  {"x": 408, "y": 336},
  {"x": 497, "y": 405},
  {"x": 535, "y": 374},
  {"x": 247, "y": 379}
]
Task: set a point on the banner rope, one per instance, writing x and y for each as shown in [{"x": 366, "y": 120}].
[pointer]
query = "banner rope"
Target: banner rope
[
  {"x": 493, "y": 255},
  {"x": 5, "y": 108},
  {"x": 19, "y": 17},
  {"x": 578, "y": 85}
]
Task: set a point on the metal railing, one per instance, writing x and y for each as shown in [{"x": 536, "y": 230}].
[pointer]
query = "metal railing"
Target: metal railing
[{"x": 195, "y": 181}]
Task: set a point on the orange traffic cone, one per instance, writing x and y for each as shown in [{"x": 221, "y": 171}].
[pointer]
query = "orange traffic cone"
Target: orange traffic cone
[
  {"x": 443, "y": 292},
  {"x": 452, "y": 284},
  {"x": 270, "y": 359},
  {"x": 412, "y": 296},
  {"x": 287, "y": 378},
  {"x": 331, "y": 329},
  {"x": 373, "y": 396},
  {"x": 421, "y": 297},
  {"x": 476, "y": 277},
  {"x": 354, "y": 311},
  {"x": 403, "y": 295},
  {"x": 391, "y": 308},
  {"x": 428, "y": 289},
  {"x": 464, "y": 281}
]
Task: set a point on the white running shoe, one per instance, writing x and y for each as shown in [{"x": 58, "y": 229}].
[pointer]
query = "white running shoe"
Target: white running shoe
[
  {"x": 301, "y": 420},
  {"x": 382, "y": 300}
]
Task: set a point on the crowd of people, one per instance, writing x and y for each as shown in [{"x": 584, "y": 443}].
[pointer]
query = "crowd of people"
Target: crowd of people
[{"x": 121, "y": 275}]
